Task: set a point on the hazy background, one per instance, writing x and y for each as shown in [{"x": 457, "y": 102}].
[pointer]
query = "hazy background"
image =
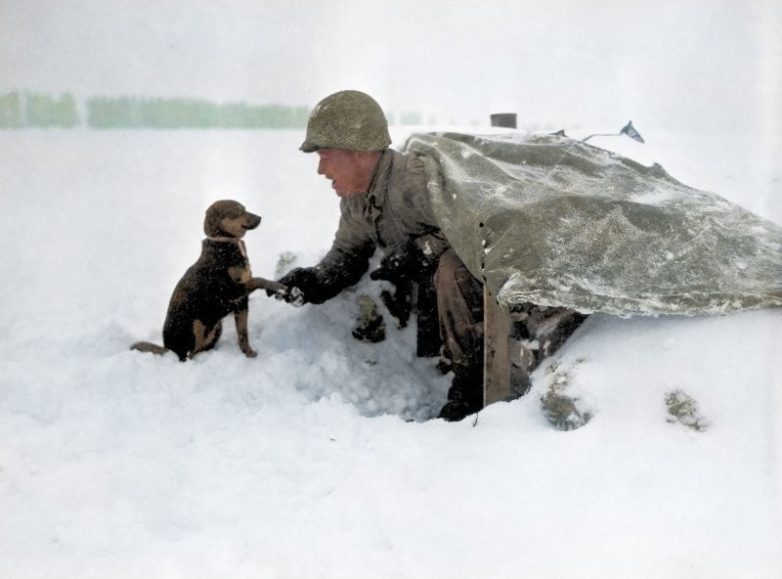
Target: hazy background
[{"x": 701, "y": 65}]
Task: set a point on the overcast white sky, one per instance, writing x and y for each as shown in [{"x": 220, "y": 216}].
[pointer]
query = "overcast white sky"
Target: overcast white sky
[{"x": 663, "y": 63}]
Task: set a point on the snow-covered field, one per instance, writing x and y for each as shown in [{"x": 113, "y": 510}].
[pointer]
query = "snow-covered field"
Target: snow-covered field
[{"x": 319, "y": 458}]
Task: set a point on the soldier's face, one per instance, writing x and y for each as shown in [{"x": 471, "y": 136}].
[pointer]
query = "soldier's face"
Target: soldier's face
[{"x": 350, "y": 172}]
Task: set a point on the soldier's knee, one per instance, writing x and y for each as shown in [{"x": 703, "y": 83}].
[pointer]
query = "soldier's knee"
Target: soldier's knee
[{"x": 448, "y": 270}]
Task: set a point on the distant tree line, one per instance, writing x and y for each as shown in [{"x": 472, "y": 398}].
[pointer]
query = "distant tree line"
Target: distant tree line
[
  {"x": 19, "y": 110},
  {"x": 29, "y": 109},
  {"x": 159, "y": 113}
]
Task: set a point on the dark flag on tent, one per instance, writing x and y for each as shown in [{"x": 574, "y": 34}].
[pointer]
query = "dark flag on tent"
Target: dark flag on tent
[{"x": 630, "y": 131}]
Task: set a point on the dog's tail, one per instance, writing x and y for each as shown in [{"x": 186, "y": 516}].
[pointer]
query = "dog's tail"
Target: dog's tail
[{"x": 149, "y": 347}]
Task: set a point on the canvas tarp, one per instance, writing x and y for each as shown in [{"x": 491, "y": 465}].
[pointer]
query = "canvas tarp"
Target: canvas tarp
[{"x": 556, "y": 222}]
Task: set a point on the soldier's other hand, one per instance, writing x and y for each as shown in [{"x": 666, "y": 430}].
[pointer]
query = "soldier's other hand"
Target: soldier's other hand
[{"x": 398, "y": 264}]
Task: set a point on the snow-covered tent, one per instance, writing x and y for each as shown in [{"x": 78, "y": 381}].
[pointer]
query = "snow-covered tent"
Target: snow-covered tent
[{"x": 557, "y": 222}]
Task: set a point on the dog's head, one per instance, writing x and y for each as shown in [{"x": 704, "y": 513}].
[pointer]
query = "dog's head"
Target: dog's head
[{"x": 229, "y": 218}]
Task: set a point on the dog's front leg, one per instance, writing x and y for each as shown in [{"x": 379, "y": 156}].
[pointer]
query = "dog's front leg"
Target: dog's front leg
[
  {"x": 240, "y": 317},
  {"x": 265, "y": 284}
]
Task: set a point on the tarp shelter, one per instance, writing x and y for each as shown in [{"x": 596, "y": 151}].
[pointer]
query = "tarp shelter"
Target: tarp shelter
[{"x": 556, "y": 222}]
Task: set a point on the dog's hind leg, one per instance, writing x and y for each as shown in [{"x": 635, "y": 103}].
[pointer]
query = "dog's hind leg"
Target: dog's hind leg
[
  {"x": 205, "y": 336},
  {"x": 149, "y": 347},
  {"x": 240, "y": 317}
]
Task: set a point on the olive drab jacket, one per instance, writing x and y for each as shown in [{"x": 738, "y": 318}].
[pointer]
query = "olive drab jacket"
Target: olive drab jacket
[{"x": 395, "y": 210}]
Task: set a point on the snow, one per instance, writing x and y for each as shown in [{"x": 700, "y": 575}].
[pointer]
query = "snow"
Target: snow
[{"x": 319, "y": 458}]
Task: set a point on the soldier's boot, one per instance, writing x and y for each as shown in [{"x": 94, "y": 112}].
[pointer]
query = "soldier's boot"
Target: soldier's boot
[{"x": 465, "y": 396}]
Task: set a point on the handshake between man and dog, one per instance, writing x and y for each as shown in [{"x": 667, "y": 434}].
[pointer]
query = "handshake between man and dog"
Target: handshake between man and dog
[{"x": 216, "y": 285}]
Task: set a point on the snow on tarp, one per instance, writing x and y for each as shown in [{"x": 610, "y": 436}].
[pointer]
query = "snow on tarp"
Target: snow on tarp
[{"x": 553, "y": 221}]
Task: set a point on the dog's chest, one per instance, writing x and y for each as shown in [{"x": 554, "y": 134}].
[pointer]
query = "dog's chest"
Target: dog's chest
[{"x": 227, "y": 261}]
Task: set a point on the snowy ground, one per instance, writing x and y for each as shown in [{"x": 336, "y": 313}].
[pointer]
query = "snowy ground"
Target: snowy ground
[{"x": 316, "y": 459}]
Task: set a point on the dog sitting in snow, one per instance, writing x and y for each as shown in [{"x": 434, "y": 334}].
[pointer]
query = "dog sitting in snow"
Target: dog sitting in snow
[{"x": 216, "y": 285}]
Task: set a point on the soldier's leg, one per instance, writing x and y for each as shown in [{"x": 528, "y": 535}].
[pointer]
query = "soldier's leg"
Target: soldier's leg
[{"x": 460, "y": 310}]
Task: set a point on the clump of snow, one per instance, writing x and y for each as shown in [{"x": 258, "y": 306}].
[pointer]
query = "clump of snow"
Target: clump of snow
[
  {"x": 563, "y": 410},
  {"x": 318, "y": 458},
  {"x": 683, "y": 408}
]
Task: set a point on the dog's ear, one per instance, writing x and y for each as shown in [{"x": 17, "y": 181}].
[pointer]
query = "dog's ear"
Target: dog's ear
[{"x": 212, "y": 221}]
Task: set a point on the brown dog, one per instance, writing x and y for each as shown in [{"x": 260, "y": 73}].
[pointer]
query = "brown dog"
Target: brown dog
[{"x": 216, "y": 285}]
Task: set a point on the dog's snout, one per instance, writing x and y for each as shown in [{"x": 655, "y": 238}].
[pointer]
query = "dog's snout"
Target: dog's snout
[{"x": 253, "y": 220}]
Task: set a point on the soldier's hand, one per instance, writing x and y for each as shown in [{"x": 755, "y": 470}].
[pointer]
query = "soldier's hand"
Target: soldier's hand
[
  {"x": 291, "y": 295},
  {"x": 303, "y": 287}
]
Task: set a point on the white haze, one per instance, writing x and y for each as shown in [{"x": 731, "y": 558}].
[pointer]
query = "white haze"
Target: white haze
[{"x": 705, "y": 65}]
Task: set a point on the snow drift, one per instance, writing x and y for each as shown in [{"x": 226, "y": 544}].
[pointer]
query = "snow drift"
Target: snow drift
[{"x": 318, "y": 458}]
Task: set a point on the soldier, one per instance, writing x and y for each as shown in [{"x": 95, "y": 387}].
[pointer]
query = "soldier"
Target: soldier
[{"x": 385, "y": 204}]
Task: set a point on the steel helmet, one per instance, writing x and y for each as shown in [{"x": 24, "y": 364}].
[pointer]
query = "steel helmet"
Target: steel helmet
[{"x": 348, "y": 119}]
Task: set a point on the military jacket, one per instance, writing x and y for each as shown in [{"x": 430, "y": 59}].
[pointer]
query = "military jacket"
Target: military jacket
[{"x": 396, "y": 209}]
